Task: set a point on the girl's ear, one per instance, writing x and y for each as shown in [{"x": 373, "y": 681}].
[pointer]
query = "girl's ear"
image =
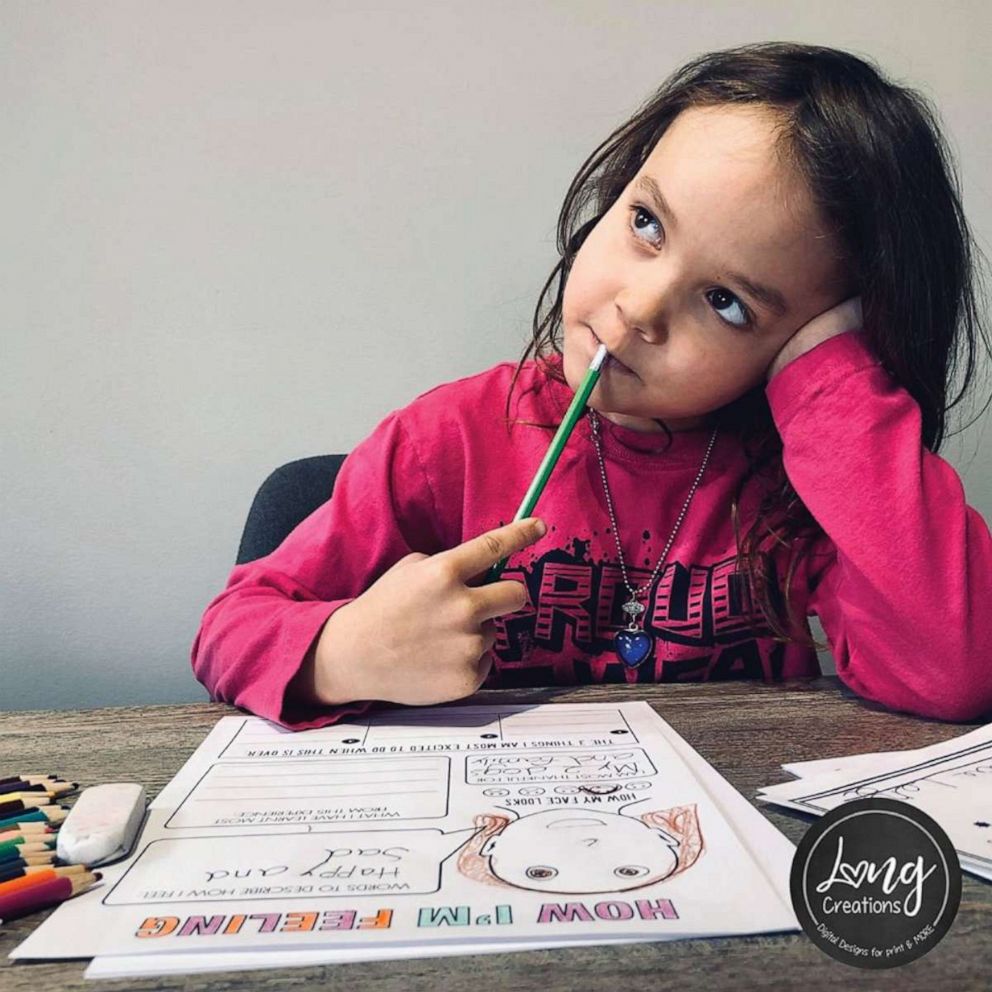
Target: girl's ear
[{"x": 682, "y": 825}]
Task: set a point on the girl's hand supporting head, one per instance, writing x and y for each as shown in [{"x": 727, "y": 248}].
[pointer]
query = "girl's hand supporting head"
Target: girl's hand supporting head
[{"x": 845, "y": 316}]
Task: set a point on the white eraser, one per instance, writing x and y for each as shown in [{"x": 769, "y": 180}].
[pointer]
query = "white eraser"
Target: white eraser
[{"x": 102, "y": 824}]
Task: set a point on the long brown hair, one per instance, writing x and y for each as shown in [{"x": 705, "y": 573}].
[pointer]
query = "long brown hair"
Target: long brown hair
[{"x": 878, "y": 169}]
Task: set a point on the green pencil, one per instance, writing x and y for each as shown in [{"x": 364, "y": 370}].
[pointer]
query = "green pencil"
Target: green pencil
[{"x": 558, "y": 442}]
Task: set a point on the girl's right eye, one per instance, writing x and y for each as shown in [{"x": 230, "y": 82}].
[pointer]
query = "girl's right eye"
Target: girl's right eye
[{"x": 637, "y": 209}]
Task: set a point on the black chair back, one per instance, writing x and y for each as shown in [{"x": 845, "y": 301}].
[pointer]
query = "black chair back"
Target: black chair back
[{"x": 286, "y": 498}]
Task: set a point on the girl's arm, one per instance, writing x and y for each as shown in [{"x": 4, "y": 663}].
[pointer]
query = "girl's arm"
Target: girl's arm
[
  {"x": 256, "y": 634},
  {"x": 905, "y": 597}
]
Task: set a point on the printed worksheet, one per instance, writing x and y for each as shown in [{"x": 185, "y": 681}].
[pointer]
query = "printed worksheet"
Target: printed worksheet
[
  {"x": 951, "y": 782},
  {"x": 873, "y": 762},
  {"x": 454, "y": 827}
]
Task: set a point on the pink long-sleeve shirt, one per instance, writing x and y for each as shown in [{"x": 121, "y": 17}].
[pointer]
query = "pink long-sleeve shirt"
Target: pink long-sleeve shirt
[{"x": 901, "y": 579}]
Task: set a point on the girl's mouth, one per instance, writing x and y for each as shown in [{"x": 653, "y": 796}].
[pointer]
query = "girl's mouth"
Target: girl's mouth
[{"x": 612, "y": 363}]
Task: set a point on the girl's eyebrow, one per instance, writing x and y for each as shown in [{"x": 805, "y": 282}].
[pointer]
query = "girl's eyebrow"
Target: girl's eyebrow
[{"x": 769, "y": 297}]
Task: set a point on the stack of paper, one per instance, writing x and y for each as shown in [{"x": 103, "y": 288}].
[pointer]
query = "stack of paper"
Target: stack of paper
[
  {"x": 951, "y": 782},
  {"x": 426, "y": 832}
]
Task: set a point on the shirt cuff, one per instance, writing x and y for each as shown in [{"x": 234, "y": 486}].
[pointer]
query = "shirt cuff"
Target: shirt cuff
[{"x": 295, "y": 714}]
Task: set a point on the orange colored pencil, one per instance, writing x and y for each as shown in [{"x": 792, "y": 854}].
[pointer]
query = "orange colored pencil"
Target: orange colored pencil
[
  {"x": 35, "y": 878},
  {"x": 45, "y": 894}
]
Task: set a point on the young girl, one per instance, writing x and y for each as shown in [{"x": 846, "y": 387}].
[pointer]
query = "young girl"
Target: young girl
[{"x": 775, "y": 256}]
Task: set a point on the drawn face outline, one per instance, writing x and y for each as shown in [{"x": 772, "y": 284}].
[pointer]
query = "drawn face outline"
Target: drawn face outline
[{"x": 580, "y": 850}]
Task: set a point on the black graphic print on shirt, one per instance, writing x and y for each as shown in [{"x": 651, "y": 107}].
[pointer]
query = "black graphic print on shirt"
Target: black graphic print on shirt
[{"x": 696, "y": 614}]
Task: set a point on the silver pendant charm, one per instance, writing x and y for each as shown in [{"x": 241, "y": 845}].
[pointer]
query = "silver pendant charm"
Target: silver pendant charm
[
  {"x": 633, "y": 609},
  {"x": 632, "y": 644}
]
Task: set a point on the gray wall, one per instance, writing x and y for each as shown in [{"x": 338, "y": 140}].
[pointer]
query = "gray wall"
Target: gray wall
[{"x": 237, "y": 233}]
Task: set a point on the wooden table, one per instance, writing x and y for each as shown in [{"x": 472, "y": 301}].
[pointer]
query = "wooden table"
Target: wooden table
[{"x": 745, "y": 730}]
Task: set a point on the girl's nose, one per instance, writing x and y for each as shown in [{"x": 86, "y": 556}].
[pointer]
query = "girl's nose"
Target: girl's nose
[{"x": 645, "y": 321}]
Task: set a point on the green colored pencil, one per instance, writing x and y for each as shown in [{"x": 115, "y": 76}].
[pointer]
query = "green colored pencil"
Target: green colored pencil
[
  {"x": 43, "y": 814},
  {"x": 558, "y": 442},
  {"x": 15, "y": 849}
]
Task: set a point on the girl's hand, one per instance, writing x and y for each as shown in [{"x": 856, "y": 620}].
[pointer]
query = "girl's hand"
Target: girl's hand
[
  {"x": 421, "y": 634},
  {"x": 845, "y": 316}
]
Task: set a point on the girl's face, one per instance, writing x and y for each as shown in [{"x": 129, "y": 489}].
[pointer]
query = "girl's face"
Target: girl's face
[{"x": 664, "y": 292}]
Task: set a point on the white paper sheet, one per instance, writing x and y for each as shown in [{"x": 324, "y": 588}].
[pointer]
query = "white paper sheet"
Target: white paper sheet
[
  {"x": 267, "y": 840},
  {"x": 950, "y": 781},
  {"x": 194, "y": 962},
  {"x": 772, "y": 850},
  {"x": 850, "y": 762}
]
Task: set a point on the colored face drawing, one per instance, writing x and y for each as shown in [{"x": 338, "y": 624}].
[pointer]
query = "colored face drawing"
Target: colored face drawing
[{"x": 580, "y": 850}]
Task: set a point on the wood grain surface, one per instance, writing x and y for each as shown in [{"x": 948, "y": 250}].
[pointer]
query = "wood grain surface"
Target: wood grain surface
[{"x": 744, "y": 729}]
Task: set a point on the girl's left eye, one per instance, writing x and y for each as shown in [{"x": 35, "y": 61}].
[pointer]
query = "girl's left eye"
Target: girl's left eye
[{"x": 746, "y": 319}]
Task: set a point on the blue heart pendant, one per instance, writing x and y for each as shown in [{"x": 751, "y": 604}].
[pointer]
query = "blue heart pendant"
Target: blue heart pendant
[{"x": 633, "y": 646}]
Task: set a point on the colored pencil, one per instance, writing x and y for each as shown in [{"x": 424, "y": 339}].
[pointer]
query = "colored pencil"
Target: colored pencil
[
  {"x": 27, "y": 829},
  {"x": 29, "y": 861},
  {"x": 48, "y": 893},
  {"x": 24, "y": 842},
  {"x": 29, "y": 800},
  {"x": 11, "y": 850},
  {"x": 23, "y": 787},
  {"x": 37, "y": 877},
  {"x": 30, "y": 876},
  {"x": 19, "y": 871},
  {"x": 9, "y": 806},
  {"x": 558, "y": 442},
  {"x": 54, "y": 814},
  {"x": 45, "y": 788},
  {"x": 9, "y": 870},
  {"x": 23, "y": 881},
  {"x": 50, "y": 788},
  {"x": 23, "y": 851},
  {"x": 12, "y": 839},
  {"x": 16, "y": 837},
  {"x": 34, "y": 778}
]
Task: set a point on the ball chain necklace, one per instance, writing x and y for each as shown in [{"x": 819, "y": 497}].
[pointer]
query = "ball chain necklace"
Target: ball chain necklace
[{"x": 633, "y": 644}]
